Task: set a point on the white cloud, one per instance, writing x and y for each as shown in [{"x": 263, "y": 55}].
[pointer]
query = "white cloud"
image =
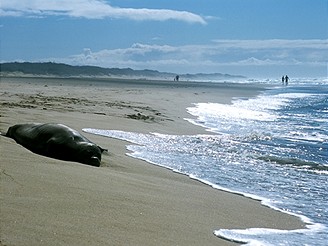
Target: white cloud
[
  {"x": 274, "y": 43},
  {"x": 91, "y": 9},
  {"x": 234, "y": 56},
  {"x": 5, "y": 13}
]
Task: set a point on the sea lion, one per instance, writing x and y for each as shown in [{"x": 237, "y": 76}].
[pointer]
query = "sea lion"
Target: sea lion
[{"x": 56, "y": 141}]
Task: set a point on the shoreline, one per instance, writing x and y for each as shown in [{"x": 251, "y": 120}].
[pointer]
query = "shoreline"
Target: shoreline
[{"x": 145, "y": 204}]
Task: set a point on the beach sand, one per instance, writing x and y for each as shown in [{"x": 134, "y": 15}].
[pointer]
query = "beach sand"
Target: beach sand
[{"x": 126, "y": 201}]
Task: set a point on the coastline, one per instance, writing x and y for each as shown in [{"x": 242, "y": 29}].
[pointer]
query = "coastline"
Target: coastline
[{"x": 126, "y": 201}]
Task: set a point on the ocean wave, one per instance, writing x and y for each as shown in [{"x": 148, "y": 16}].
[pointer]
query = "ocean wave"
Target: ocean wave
[
  {"x": 270, "y": 148},
  {"x": 216, "y": 160},
  {"x": 271, "y": 237},
  {"x": 297, "y": 163}
]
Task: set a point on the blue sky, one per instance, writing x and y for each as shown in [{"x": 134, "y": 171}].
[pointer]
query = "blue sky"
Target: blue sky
[{"x": 255, "y": 38}]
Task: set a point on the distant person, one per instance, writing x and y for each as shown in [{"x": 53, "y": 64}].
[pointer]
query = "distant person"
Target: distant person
[
  {"x": 283, "y": 80},
  {"x": 286, "y": 79},
  {"x": 176, "y": 78}
]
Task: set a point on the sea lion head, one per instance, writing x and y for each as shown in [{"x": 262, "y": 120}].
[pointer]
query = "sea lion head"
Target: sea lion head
[{"x": 90, "y": 154}]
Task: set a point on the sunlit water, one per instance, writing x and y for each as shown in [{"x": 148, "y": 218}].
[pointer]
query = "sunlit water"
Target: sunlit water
[{"x": 273, "y": 148}]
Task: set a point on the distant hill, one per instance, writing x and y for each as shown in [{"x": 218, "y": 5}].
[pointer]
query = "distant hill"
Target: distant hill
[{"x": 64, "y": 70}]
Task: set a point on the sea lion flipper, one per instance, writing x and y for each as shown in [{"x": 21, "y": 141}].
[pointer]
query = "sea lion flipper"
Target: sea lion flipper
[{"x": 102, "y": 150}]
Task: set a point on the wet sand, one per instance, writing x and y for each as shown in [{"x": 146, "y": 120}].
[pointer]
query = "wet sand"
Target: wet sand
[{"x": 125, "y": 201}]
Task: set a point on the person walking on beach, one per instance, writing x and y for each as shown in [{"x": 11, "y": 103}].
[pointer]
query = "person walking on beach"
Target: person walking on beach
[
  {"x": 283, "y": 80},
  {"x": 286, "y": 79}
]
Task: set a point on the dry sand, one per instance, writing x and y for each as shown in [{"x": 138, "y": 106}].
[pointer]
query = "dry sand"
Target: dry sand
[{"x": 126, "y": 201}]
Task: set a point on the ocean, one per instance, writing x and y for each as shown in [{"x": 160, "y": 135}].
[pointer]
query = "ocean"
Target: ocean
[{"x": 273, "y": 148}]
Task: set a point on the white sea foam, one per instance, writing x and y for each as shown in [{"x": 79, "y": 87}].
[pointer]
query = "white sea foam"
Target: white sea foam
[
  {"x": 228, "y": 112},
  {"x": 263, "y": 236},
  {"x": 258, "y": 108}
]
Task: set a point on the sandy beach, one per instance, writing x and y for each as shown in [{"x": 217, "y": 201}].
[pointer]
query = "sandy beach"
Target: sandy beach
[{"x": 126, "y": 201}]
